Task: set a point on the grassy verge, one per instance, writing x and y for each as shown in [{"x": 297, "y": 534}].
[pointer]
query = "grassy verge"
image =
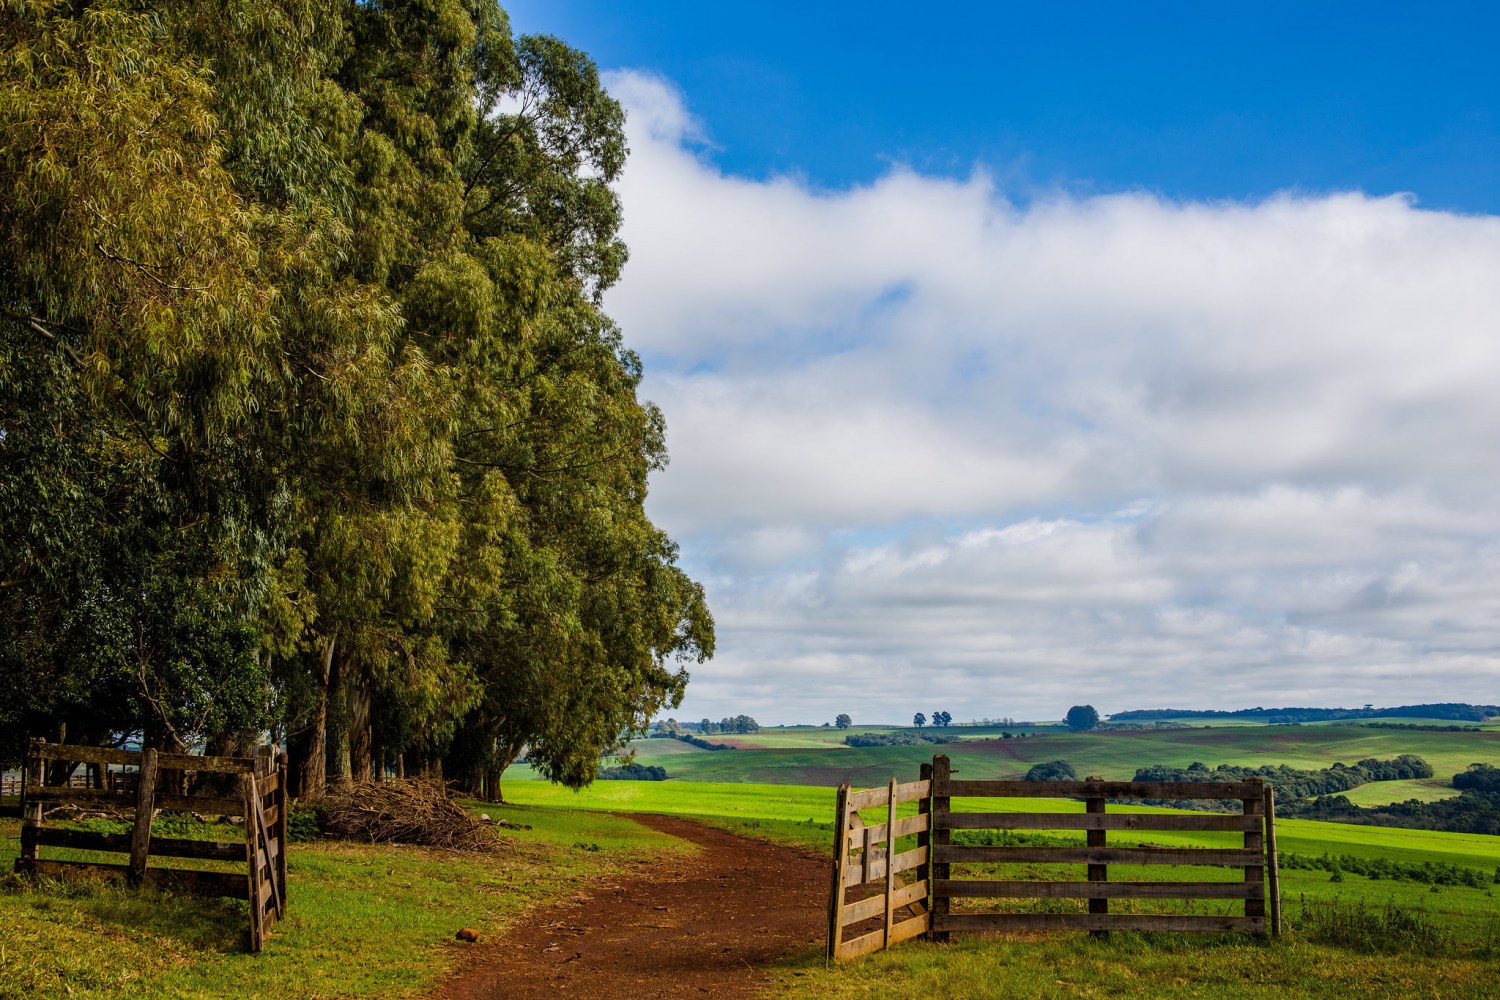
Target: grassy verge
[{"x": 362, "y": 920}]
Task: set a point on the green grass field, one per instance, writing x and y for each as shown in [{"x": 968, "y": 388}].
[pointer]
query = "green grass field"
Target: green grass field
[{"x": 817, "y": 756}]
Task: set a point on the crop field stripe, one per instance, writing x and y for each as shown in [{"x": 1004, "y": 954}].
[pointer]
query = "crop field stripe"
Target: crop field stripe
[
  {"x": 1097, "y": 821},
  {"x": 959, "y": 854},
  {"x": 1098, "y": 890}
]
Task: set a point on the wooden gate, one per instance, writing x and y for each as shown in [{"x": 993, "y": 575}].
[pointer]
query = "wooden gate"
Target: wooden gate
[
  {"x": 879, "y": 865},
  {"x": 1254, "y": 857},
  {"x": 254, "y": 791}
]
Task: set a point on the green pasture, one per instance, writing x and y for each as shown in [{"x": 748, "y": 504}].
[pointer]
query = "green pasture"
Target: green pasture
[{"x": 809, "y": 757}]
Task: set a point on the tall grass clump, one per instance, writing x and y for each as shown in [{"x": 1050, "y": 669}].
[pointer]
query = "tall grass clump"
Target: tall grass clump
[{"x": 1362, "y": 927}]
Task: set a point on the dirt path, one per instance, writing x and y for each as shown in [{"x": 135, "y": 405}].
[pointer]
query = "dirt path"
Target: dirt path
[{"x": 697, "y": 926}]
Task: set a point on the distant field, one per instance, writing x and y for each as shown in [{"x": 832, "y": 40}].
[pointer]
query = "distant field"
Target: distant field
[
  {"x": 1380, "y": 793},
  {"x": 817, "y": 757}
]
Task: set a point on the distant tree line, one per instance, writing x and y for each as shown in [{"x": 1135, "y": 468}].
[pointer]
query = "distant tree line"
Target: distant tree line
[
  {"x": 895, "y": 739},
  {"x": 634, "y": 772},
  {"x": 1294, "y": 783},
  {"x": 1458, "y": 711},
  {"x": 1470, "y": 812}
]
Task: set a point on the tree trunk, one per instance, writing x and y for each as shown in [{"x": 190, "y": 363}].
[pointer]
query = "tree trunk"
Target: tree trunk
[
  {"x": 357, "y": 699},
  {"x": 338, "y": 724},
  {"x": 310, "y": 759}
]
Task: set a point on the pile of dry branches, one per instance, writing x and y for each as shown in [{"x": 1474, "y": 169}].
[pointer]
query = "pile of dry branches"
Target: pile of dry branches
[{"x": 410, "y": 811}]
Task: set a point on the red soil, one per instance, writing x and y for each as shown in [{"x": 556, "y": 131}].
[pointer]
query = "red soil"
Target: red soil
[{"x": 700, "y": 925}]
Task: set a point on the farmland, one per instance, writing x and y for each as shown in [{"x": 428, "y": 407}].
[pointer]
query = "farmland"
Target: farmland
[
  {"x": 377, "y": 920},
  {"x": 805, "y": 756}
]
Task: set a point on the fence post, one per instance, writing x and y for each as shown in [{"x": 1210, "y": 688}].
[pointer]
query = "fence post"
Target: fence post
[
  {"x": 890, "y": 863},
  {"x": 924, "y": 836},
  {"x": 1255, "y": 841},
  {"x": 1274, "y": 869},
  {"x": 840, "y": 867},
  {"x": 281, "y": 834},
  {"x": 145, "y": 811},
  {"x": 31, "y": 784},
  {"x": 1095, "y": 806},
  {"x": 942, "y": 771}
]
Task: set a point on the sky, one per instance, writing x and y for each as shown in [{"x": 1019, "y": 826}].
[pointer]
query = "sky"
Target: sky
[{"x": 1016, "y": 357}]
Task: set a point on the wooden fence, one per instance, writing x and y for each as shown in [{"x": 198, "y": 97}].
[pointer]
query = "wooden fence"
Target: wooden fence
[
  {"x": 880, "y": 865},
  {"x": 937, "y": 820},
  {"x": 249, "y": 787}
]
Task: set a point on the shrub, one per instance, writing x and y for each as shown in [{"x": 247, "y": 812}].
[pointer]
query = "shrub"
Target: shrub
[
  {"x": 1055, "y": 770},
  {"x": 1361, "y": 927}
]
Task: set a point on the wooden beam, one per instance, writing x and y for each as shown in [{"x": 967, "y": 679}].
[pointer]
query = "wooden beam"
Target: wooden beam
[
  {"x": 1106, "y": 789},
  {"x": 1095, "y": 922},
  {"x": 1273, "y": 870},
  {"x": 840, "y": 871},
  {"x": 942, "y": 777},
  {"x": 1207, "y": 822},
  {"x": 1097, "y": 856},
  {"x": 990, "y": 889},
  {"x": 145, "y": 811}
]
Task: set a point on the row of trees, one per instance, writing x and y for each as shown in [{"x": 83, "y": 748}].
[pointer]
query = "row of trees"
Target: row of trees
[
  {"x": 938, "y": 719},
  {"x": 310, "y": 419}
]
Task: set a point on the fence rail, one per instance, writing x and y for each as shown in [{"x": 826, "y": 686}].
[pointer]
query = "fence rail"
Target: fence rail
[
  {"x": 249, "y": 787},
  {"x": 931, "y": 895}
]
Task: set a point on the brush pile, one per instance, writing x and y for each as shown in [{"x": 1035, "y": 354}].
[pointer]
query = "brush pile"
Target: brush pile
[{"x": 410, "y": 811}]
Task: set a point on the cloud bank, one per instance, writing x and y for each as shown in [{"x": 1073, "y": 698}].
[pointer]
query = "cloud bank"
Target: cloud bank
[{"x": 933, "y": 448}]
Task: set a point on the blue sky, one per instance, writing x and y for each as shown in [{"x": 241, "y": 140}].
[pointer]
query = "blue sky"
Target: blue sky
[
  {"x": 1019, "y": 357},
  {"x": 1191, "y": 100}
]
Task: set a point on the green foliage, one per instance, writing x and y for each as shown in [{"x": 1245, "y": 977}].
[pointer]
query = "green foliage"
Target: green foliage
[
  {"x": 309, "y": 416},
  {"x": 1056, "y": 770},
  {"x": 1479, "y": 778},
  {"x": 1293, "y": 783},
  {"x": 843, "y": 721},
  {"x": 1081, "y": 718}
]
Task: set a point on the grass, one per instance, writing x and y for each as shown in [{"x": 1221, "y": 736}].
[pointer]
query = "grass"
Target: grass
[
  {"x": 817, "y": 756},
  {"x": 362, "y": 920}
]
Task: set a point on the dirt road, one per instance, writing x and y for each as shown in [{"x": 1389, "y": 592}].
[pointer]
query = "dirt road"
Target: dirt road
[{"x": 696, "y": 926}]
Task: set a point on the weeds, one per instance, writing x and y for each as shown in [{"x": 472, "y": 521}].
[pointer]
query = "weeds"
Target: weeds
[{"x": 1371, "y": 929}]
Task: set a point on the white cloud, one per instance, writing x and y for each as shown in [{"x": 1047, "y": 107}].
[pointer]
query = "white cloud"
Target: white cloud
[{"x": 927, "y": 441}]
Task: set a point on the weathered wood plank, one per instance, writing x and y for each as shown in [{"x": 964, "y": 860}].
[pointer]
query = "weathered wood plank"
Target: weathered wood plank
[
  {"x": 1220, "y": 822},
  {"x": 875, "y": 905},
  {"x": 905, "y": 826},
  {"x": 1097, "y": 873},
  {"x": 203, "y": 804},
  {"x": 839, "y": 874},
  {"x": 1273, "y": 871},
  {"x": 86, "y": 755},
  {"x": 890, "y": 870},
  {"x": 1105, "y": 789},
  {"x": 81, "y": 796},
  {"x": 140, "y": 837},
  {"x": 1095, "y": 922},
  {"x": 942, "y": 777},
  {"x": 215, "y": 765},
  {"x": 867, "y": 798},
  {"x": 911, "y": 791},
  {"x": 905, "y": 861},
  {"x": 872, "y": 942},
  {"x": 985, "y": 888},
  {"x": 958, "y": 854},
  {"x": 280, "y": 830}
]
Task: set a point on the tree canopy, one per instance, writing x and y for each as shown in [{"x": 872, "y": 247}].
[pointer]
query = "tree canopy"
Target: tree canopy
[
  {"x": 1081, "y": 718},
  {"x": 310, "y": 419}
]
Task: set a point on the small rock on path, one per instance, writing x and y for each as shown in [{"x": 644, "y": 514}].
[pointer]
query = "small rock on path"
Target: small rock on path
[{"x": 698, "y": 926}]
